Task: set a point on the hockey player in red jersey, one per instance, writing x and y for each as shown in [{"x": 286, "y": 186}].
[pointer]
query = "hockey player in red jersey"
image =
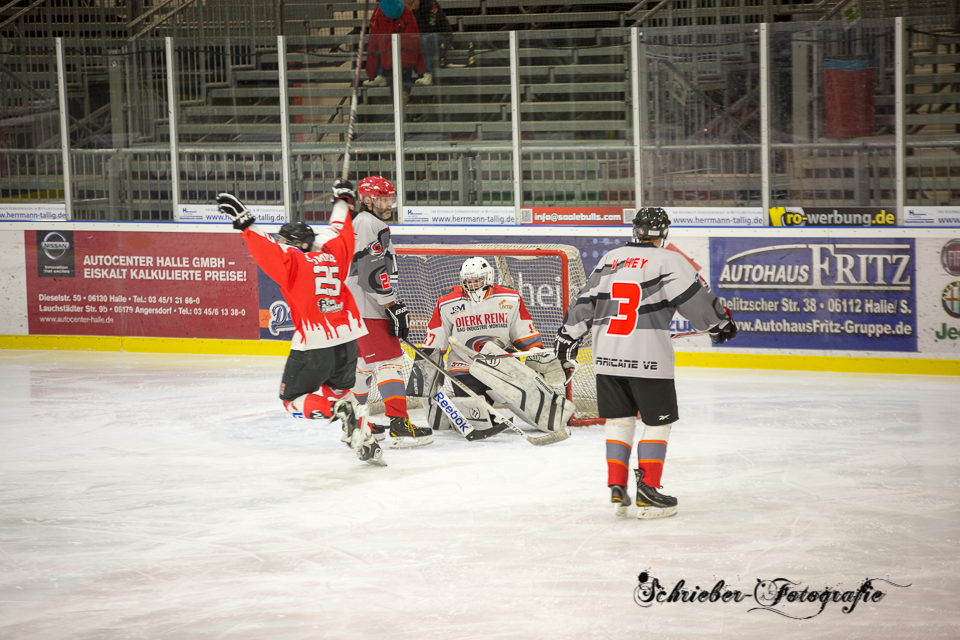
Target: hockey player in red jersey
[
  {"x": 628, "y": 302},
  {"x": 310, "y": 270},
  {"x": 372, "y": 281},
  {"x": 478, "y": 320}
]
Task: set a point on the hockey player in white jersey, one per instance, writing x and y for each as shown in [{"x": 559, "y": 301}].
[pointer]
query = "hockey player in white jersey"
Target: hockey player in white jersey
[
  {"x": 372, "y": 281},
  {"x": 478, "y": 321},
  {"x": 628, "y": 303}
]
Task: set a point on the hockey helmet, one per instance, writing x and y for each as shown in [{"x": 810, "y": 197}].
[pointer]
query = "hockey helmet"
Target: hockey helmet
[
  {"x": 297, "y": 234},
  {"x": 650, "y": 223},
  {"x": 378, "y": 196},
  {"x": 476, "y": 276}
]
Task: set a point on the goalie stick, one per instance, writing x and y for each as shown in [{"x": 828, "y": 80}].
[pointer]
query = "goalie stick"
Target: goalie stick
[
  {"x": 543, "y": 352},
  {"x": 353, "y": 100},
  {"x": 550, "y": 438}
]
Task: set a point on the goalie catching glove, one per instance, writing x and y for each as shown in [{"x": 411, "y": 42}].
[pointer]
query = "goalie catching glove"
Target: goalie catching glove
[
  {"x": 230, "y": 206},
  {"x": 399, "y": 320}
]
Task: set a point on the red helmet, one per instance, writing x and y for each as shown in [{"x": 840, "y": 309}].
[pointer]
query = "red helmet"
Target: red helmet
[{"x": 376, "y": 186}]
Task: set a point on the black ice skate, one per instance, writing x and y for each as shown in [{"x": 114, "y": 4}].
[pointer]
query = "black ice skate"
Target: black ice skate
[
  {"x": 651, "y": 503},
  {"x": 619, "y": 497},
  {"x": 405, "y": 434},
  {"x": 370, "y": 451},
  {"x": 379, "y": 432},
  {"x": 365, "y": 444}
]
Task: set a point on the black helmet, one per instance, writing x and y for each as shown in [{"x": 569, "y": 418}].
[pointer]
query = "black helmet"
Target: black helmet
[
  {"x": 298, "y": 234},
  {"x": 650, "y": 223}
]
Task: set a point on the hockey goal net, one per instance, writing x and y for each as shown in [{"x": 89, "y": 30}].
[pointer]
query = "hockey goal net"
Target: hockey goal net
[{"x": 547, "y": 276}]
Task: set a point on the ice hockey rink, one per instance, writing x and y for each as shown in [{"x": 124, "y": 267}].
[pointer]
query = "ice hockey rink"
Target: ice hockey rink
[{"x": 169, "y": 497}]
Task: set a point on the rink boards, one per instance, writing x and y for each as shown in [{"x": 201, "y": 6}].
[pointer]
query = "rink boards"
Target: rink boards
[{"x": 840, "y": 299}]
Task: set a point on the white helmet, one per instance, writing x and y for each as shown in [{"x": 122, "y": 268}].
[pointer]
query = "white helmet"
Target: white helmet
[{"x": 479, "y": 274}]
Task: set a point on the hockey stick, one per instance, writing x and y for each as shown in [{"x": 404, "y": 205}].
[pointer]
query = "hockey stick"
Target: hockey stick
[
  {"x": 687, "y": 334},
  {"x": 556, "y": 436},
  {"x": 353, "y": 100},
  {"x": 516, "y": 354}
]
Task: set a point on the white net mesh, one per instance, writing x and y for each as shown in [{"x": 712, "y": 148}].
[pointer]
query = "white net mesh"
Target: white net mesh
[{"x": 537, "y": 272}]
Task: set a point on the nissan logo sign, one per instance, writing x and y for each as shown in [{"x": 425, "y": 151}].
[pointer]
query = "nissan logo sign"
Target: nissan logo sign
[{"x": 55, "y": 245}]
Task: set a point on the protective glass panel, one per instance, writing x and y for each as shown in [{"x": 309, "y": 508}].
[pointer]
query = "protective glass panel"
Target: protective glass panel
[
  {"x": 932, "y": 122},
  {"x": 832, "y": 114},
  {"x": 576, "y": 119},
  {"x": 700, "y": 115},
  {"x": 321, "y": 70},
  {"x": 457, "y": 125},
  {"x": 119, "y": 156},
  {"x": 31, "y": 160}
]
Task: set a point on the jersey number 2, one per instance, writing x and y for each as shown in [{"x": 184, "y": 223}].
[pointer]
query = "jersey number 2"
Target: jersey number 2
[{"x": 628, "y": 294}]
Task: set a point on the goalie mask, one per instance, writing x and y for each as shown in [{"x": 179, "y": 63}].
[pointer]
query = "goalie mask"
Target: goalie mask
[
  {"x": 476, "y": 276},
  {"x": 378, "y": 196},
  {"x": 297, "y": 234},
  {"x": 650, "y": 223}
]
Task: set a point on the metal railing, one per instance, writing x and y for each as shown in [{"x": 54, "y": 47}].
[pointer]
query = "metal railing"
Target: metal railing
[{"x": 591, "y": 118}]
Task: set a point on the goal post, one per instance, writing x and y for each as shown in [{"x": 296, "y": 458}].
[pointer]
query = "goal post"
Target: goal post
[{"x": 547, "y": 277}]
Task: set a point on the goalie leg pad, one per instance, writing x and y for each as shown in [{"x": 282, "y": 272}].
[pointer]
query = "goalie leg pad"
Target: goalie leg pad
[
  {"x": 424, "y": 379},
  {"x": 464, "y": 415},
  {"x": 522, "y": 390}
]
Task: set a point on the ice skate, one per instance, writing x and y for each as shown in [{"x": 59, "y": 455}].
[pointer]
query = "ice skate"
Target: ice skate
[
  {"x": 651, "y": 503},
  {"x": 379, "y": 432},
  {"x": 619, "y": 497},
  {"x": 369, "y": 450},
  {"x": 359, "y": 434},
  {"x": 406, "y": 435}
]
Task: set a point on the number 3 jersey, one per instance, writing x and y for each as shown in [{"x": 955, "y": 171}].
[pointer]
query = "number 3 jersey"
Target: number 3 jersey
[
  {"x": 321, "y": 307},
  {"x": 500, "y": 317},
  {"x": 629, "y": 301}
]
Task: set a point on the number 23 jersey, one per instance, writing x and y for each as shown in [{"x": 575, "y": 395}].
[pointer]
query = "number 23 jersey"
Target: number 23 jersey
[{"x": 500, "y": 317}]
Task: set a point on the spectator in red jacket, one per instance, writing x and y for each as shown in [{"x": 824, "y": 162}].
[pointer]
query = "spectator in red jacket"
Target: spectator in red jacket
[{"x": 393, "y": 16}]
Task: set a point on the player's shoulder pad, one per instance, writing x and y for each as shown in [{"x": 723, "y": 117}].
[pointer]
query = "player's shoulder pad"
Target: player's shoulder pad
[
  {"x": 453, "y": 293},
  {"x": 498, "y": 290}
]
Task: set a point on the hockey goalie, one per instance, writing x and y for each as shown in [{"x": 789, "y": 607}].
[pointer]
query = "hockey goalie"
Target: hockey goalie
[{"x": 484, "y": 326}]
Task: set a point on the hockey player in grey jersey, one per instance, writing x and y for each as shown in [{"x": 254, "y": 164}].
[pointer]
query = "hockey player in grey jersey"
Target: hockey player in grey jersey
[
  {"x": 372, "y": 281},
  {"x": 628, "y": 303}
]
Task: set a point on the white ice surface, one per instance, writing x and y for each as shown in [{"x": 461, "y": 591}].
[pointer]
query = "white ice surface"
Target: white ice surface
[{"x": 169, "y": 497}]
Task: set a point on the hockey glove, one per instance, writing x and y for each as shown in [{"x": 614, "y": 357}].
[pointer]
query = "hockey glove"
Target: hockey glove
[
  {"x": 566, "y": 349},
  {"x": 343, "y": 190},
  {"x": 231, "y": 207},
  {"x": 399, "y": 320},
  {"x": 726, "y": 332}
]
